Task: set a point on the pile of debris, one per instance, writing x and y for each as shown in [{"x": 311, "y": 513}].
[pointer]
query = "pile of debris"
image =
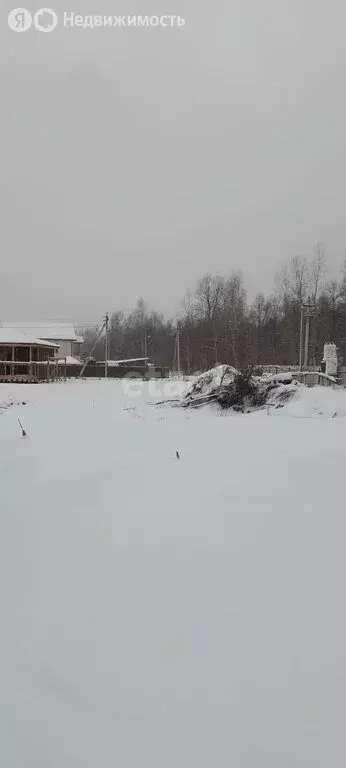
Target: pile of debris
[
  {"x": 240, "y": 390},
  {"x": 11, "y": 403}
]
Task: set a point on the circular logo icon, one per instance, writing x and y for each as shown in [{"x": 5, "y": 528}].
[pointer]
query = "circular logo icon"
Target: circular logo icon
[
  {"x": 45, "y": 20},
  {"x": 19, "y": 20}
]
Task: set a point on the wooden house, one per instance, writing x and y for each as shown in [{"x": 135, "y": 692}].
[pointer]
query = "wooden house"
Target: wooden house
[{"x": 24, "y": 358}]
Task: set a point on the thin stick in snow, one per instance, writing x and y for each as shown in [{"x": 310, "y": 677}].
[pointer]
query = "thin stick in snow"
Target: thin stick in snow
[{"x": 22, "y": 428}]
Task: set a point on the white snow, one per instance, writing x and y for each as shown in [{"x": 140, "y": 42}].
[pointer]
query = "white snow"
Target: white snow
[
  {"x": 129, "y": 360},
  {"x": 12, "y": 336},
  {"x": 164, "y": 613},
  {"x": 45, "y": 330},
  {"x": 283, "y": 377}
]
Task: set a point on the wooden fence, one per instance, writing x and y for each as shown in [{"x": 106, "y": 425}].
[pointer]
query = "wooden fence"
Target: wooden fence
[{"x": 35, "y": 372}]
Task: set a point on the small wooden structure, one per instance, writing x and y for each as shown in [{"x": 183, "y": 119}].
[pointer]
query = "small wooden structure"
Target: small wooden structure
[
  {"x": 61, "y": 333},
  {"x": 26, "y": 359}
]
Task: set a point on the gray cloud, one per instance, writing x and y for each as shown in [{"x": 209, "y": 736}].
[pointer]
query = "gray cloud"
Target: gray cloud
[{"x": 135, "y": 160}]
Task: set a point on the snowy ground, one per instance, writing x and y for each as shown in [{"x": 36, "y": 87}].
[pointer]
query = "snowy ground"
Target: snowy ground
[{"x": 159, "y": 613}]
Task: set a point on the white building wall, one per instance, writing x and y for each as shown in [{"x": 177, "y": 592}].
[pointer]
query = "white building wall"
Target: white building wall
[{"x": 65, "y": 348}]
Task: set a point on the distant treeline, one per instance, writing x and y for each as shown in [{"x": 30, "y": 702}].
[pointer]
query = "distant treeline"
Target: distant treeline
[{"x": 217, "y": 324}]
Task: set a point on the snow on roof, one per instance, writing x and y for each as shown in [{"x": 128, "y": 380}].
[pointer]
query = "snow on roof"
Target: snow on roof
[
  {"x": 47, "y": 330},
  {"x": 129, "y": 360},
  {"x": 13, "y": 337},
  {"x": 69, "y": 360}
]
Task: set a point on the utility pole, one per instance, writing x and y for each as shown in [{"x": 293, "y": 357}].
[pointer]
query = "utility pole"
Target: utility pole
[
  {"x": 301, "y": 338},
  {"x": 307, "y": 333},
  {"x": 97, "y": 339},
  {"x": 106, "y": 323},
  {"x": 309, "y": 313},
  {"x": 178, "y": 351},
  {"x": 146, "y": 339}
]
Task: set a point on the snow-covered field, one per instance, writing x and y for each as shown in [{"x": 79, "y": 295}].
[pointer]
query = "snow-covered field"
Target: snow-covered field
[{"x": 164, "y": 613}]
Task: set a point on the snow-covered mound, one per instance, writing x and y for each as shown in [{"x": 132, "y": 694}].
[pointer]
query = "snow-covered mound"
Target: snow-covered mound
[
  {"x": 281, "y": 393},
  {"x": 209, "y": 383},
  {"x": 240, "y": 390}
]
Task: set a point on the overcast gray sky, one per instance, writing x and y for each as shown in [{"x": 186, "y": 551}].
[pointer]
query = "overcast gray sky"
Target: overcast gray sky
[{"x": 135, "y": 160}]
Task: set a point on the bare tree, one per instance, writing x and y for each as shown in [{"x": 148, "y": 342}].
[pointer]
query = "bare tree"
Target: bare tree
[
  {"x": 294, "y": 280},
  {"x": 209, "y": 296},
  {"x": 317, "y": 272},
  {"x": 216, "y": 324},
  {"x": 234, "y": 309},
  {"x": 258, "y": 314},
  {"x": 334, "y": 294}
]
